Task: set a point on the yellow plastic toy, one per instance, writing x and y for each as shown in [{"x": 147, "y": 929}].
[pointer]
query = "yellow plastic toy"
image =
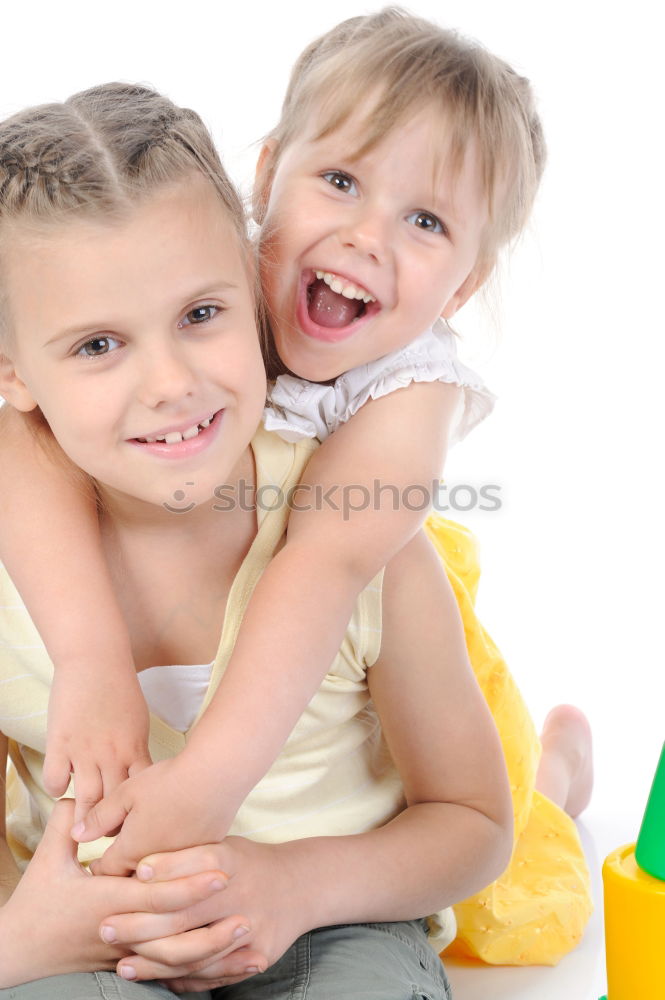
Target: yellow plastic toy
[{"x": 634, "y": 884}]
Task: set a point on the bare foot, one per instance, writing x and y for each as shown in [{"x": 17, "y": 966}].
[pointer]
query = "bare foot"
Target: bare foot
[{"x": 565, "y": 773}]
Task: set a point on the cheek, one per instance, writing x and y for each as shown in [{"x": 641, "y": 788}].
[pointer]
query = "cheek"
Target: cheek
[
  {"x": 242, "y": 367},
  {"x": 79, "y": 414},
  {"x": 288, "y": 234}
]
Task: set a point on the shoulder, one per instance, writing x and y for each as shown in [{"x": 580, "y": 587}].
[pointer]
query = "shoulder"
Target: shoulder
[{"x": 280, "y": 462}]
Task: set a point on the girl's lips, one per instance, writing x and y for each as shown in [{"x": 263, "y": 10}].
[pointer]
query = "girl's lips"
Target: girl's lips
[
  {"x": 331, "y": 334},
  {"x": 183, "y": 449}
]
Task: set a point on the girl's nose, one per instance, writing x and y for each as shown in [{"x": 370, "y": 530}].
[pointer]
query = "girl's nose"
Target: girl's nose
[
  {"x": 166, "y": 377},
  {"x": 368, "y": 233}
]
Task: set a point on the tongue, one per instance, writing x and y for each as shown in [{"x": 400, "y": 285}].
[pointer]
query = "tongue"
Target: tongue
[{"x": 327, "y": 308}]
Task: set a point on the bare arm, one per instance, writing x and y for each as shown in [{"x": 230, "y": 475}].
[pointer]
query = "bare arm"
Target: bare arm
[
  {"x": 454, "y": 836},
  {"x": 301, "y": 607},
  {"x": 50, "y": 544},
  {"x": 294, "y": 624}
]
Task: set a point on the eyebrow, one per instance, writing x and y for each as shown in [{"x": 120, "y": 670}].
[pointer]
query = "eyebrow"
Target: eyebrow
[
  {"x": 453, "y": 218},
  {"x": 209, "y": 288}
]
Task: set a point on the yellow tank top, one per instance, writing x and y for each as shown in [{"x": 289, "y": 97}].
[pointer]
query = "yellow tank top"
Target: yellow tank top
[{"x": 333, "y": 777}]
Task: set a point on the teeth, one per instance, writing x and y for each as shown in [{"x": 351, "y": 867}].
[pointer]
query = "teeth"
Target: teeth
[
  {"x": 344, "y": 287},
  {"x": 175, "y": 437}
]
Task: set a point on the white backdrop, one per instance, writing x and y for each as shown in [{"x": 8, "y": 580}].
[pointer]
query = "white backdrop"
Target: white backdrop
[{"x": 573, "y": 560}]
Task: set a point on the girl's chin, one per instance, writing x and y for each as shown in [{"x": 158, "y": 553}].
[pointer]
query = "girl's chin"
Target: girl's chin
[
  {"x": 306, "y": 362},
  {"x": 230, "y": 482},
  {"x": 118, "y": 502}
]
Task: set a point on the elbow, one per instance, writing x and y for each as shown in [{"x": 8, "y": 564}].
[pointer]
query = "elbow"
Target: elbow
[
  {"x": 503, "y": 849},
  {"x": 490, "y": 855},
  {"x": 500, "y": 816}
]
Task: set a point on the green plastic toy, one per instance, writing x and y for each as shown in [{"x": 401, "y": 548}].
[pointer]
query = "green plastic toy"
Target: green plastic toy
[{"x": 650, "y": 847}]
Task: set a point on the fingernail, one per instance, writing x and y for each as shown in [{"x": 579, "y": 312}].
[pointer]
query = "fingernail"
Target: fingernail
[
  {"x": 217, "y": 884},
  {"x": 240, "y": 932},
  {"x": 251, "y": 969},
  {"x": 78, "y": 830},
  {"x": 127, "y": 972},
  {"x": 145, "y": 872},
  {"x": 108, "y": 935}
]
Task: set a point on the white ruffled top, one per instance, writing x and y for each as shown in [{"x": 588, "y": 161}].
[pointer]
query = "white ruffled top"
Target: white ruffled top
[{"x": 299, "y": 409}]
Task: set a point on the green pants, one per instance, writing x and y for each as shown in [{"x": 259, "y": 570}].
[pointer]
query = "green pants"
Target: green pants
[{"x": 348, "y": 962}]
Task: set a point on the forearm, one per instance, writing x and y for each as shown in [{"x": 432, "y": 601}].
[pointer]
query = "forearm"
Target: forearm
[
  {"x": 298, "y": 614},
  {"x": 430, "y": 856},
  {"x": 49, "y": 534},
  {"x": 292, "y": 630},
  {"x": 456, "y": 834}
]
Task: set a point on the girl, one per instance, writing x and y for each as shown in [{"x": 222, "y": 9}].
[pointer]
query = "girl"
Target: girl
[
  {"x": 377, "y": 218},
  {"x": 130, "y": 239}
]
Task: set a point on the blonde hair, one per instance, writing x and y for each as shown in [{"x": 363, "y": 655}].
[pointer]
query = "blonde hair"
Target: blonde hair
[
  {"x": 405, "y": 63},
  {"x": 96, "y": 154}
]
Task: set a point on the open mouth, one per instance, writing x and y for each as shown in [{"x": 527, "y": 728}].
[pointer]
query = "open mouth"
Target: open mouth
[{"x": 332, "y": 306}]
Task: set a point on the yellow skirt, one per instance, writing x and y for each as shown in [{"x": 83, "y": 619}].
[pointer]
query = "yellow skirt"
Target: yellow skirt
[{"x": 537, "y": 911}]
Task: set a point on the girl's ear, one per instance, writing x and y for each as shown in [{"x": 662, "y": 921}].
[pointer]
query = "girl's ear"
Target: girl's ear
[
  {"x": 265, "y": 171},
  {"x": 473, "y": 281},
  {"x": 13, "y": 388}
]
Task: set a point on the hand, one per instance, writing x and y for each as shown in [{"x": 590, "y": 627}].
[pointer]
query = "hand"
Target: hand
[
  {"x": 167, "y": 807},
  {"x": 50, "y": 924},
  {"x": 265, "y": 884},
  {"x": 97, "y": 728}
]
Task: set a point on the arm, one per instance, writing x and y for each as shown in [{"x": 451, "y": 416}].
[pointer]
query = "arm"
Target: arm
[
  {"x": 49, "y": 541},
  {"x": 50, "y": 917},
  {"x": 293, "y": 626},
  {"x": 454, "y": 836}
]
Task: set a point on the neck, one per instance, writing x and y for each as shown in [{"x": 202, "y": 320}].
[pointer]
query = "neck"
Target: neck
[{"x": 172, "y": 572}]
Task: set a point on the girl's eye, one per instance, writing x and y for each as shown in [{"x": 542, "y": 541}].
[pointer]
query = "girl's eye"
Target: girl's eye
[
  {"x": 341, "y": 181},
  {"x": 97, "y": 346},
  {"x": 426, "y": 221},
  {"x": 200, "y": 314}
]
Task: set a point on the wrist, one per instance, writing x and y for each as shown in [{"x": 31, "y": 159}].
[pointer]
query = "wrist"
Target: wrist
[
  {"x": 216, "y": 811},
  {"x": 303, "y": 872},
  {"x": 207, "y": 761}
]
